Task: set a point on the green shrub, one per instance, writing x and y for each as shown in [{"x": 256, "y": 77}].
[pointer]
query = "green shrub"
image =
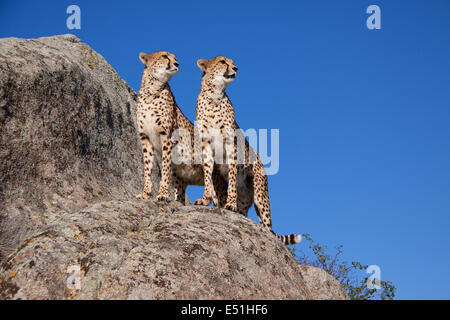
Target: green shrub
[{"x": 349, "y": 275}]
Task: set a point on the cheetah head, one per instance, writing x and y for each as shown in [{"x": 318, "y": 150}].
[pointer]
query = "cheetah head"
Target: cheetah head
[
  {"x": 161, "y": 65},
  {"x": 218, "y": 71}
]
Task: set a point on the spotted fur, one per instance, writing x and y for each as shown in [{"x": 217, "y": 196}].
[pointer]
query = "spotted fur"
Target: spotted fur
[
  {"x": 158, "y": 116},
  {"x": 248, "y": 180}
]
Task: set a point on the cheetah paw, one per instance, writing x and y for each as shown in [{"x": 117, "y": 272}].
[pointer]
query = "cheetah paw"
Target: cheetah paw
[
  {"x": 202, "y": 202},
  {"x": 143, "y": 196},
  {"x": 162, "y": 198},
  {"x": 231, "y": 207}
]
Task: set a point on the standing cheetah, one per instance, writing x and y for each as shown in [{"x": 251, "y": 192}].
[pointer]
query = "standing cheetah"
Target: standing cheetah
[
  {"x": 158, "y": 116},
  {"x": 247, "y": 179}
]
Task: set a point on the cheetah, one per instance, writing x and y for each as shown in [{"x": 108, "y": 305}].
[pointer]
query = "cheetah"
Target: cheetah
[
  {"x": 158, "y": 117},
  {"x": 247, "y": 180}
]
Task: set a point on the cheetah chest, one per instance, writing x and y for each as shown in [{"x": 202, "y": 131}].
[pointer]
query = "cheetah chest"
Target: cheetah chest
[{"x": 150, "y": 129}]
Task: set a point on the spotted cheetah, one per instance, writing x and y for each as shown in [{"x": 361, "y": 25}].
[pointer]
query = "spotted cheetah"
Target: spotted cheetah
[
  {"x": 158, "y": 116},
  {"x": 246, "y": 178}
]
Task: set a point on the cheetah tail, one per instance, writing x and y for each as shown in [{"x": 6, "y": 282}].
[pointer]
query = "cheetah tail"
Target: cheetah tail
[{"x": 290, "y": 239}]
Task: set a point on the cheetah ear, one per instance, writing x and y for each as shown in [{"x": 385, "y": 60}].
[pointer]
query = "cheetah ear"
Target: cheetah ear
[
  {"x": 144, "y": 57},
  {"x": 201, "y": 63}
]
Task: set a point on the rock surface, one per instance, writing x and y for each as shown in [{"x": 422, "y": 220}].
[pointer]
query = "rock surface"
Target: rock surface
[
  {"x": 70, "y": 227},
  {"x": 67, "y": 134},
  {"x": 141, "y": 250},
  {"x": 323, "y": 286}
]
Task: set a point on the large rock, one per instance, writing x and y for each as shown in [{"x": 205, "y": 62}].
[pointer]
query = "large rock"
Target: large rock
[
  {"x": 67, "y": 134},
  {"x": 142, "y": 250},
  {"x": 70, "y": 227}
]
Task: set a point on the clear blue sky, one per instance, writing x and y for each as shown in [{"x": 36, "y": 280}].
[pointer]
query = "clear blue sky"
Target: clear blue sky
[{"x": 364, "y": 115}]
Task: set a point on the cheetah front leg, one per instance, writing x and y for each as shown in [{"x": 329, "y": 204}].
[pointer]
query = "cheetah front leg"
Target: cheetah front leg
[
  {"x": 231, "y": 157},
  {"x": 147, "y": 150},
  {"x": 208, "y": 167},
  {"x": 166, "y": 171}
]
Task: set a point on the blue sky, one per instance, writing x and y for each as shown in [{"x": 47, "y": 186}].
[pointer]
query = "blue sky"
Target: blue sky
[{"x": 364, "y": 115}]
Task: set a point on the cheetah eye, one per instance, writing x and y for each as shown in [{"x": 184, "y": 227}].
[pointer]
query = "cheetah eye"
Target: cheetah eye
[
  {"x": 165, "y": 56},
  {"x": 223, "y": 61}
]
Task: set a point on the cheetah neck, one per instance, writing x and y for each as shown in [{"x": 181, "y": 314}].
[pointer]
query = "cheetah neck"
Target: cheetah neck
[
  {"x": 151, "y": 85},
  {"x": 213, "y": 92}
]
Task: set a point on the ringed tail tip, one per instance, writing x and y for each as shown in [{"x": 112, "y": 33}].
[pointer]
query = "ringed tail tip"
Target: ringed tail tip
[{"x": 290, "y": 239}]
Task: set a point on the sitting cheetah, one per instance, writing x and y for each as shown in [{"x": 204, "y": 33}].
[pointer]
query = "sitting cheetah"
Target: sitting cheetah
[
  {"x": 158, "y": 116},
  {"x": 247, "y": 180}
]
